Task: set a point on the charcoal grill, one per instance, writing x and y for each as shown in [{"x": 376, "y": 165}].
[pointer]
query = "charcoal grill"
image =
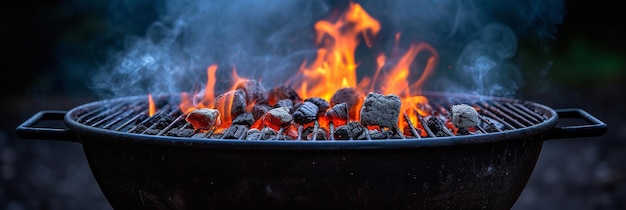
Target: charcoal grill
[{"x": 139, "y": 163}]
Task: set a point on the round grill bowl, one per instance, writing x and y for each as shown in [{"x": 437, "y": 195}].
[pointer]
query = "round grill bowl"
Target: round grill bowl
[{"x": 481, "y": 171}]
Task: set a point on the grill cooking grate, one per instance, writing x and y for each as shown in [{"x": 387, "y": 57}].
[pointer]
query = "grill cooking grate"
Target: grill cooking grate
[{"x": 131, "y": 116}]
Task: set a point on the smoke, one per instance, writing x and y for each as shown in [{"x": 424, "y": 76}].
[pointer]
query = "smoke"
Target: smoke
[
  {"x": 485, "y": 62},
  {"x": 477, "y": 40},
  {"x": 261, "y": 39}
]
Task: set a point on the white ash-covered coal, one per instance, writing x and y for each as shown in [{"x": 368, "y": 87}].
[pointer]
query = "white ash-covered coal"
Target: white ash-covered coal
[
  {"x": 204, "y": 119},
  {"x": 278, "y": 118},
  {"x": 381, "y": 110},
  {"x": 464, "y": 116}
]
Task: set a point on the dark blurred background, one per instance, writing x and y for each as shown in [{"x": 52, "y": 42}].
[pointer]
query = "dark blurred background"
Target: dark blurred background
[{"x": 50, "y": 49}]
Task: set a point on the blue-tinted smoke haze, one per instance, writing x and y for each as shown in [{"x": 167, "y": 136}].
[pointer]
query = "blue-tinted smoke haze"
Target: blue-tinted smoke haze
[{"x": 477, "y": 41}]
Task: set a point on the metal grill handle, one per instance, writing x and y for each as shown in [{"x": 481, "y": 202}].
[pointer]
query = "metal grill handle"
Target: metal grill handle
[
  {"x": 28, "y": 130},
  {"x": 594, "y": 128}
]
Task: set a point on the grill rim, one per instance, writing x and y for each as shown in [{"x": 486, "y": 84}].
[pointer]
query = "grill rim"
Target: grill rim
[{"x": 86, "y": 132}]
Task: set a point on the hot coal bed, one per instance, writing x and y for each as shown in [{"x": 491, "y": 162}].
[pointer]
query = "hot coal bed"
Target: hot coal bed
[{"x": 291, "y": 118}]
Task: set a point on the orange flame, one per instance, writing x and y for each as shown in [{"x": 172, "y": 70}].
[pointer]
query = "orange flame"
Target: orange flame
[
  {"x": 396, "y": 83},
  {"x": 151, "y": 106},
  {"x": 209, "y": 94},
  {"x": 188, "y": 103},
  {"x": 222, "y": 103},
  {"x": 335, "y": 66}
]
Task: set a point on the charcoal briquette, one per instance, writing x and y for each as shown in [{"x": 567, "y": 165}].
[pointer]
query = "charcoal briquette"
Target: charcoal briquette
[
  {"x": 351, "y": 130},
  {"x": 253, "y": 136},
  {"x": 380, "y": 134},
  {"x": 246, "y": 119},
  {"x": 321, "y": 134},
  {"x": 258, "y": 110},
  {"x": 268, "y": 131},
  {"x": 381, "y": 110},
  {"x": 204, "y": 118},
  {"x": 277, "y": 118},
  {"x": 234, "y": 100},
  {"x": 305, "y": 113},
  {"x": 180, "y": 132},
  {"x": 255, "y": 92},
  {"x": 235, "y": 132},
  {"x": 282, "y": 92},
  {"x": 436, "y": 126},
  {"x": 321, "y": 103},
  {"x": 338, "y": 114},
  {"x": 263, "y": 134},
  {"x": 352, "y": 97},
  {"x": 287, "y": 103}
]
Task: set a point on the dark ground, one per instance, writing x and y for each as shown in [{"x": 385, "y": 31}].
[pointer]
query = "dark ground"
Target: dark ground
[{"x": 49, "y": 48}]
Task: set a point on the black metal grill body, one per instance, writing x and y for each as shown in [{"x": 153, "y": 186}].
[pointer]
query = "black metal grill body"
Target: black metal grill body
[{"x": 487, "y": 170}]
